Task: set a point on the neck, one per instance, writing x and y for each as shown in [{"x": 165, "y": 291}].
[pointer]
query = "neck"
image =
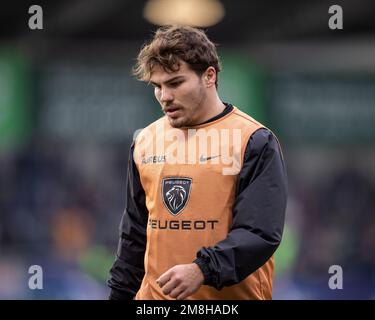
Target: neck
[{"x": 212, "y": 107}]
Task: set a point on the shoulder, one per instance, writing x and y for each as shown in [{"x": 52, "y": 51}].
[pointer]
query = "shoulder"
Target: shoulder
[
  {"x": 263, "y": 141},
  {"x": 245, "y": 119},
  {"x": 261, "y": 135}
]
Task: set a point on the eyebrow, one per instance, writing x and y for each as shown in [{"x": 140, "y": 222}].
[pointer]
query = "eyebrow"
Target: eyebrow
[{"x": 169, "y": 80}]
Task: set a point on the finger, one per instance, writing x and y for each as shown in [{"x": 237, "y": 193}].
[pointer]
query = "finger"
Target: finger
[
  {"x": 183, "y": 295},
  {"x": 169, "y": 286},
  {"x": 176, "y": 292},
  {"x": 164, "y": 278}
]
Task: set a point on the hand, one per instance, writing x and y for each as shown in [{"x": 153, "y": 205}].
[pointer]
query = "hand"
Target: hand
[{"x": 181, "y": 281}]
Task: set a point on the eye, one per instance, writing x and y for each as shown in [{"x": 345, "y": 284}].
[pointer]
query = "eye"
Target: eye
[{"x": 175, "y": 84}]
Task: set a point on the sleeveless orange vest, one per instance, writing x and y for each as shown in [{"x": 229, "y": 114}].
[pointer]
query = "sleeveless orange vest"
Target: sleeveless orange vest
[{"x": 189, "y": 176}]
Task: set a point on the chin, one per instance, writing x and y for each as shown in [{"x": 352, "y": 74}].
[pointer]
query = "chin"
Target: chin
[{"x": 177, "y": 123}]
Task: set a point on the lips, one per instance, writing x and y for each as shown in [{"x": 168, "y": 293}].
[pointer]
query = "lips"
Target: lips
[{"x": 171, "y": 112}]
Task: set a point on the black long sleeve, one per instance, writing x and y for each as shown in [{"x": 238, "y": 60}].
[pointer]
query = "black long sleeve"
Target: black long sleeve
[
  {"x": 258, "y": 216},
  {"x": 127, "y": 271}
]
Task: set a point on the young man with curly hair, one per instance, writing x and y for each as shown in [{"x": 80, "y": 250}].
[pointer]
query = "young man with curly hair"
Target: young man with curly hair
[{"x": 206, "y": 185}]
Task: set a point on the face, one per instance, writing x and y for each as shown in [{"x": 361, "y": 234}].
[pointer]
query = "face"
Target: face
[{"x": 181, "y": 95}]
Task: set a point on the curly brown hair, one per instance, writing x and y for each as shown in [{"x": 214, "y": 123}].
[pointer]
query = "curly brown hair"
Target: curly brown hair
[{"x": 173, "y": 43}]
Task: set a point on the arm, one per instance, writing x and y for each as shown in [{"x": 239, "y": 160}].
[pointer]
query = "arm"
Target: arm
[
  {"x": 127, "y": 271},
  {"x": 258, "y": 216}
]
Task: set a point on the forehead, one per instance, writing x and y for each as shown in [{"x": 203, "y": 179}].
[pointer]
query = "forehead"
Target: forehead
[{"x": 159, "y": 75}]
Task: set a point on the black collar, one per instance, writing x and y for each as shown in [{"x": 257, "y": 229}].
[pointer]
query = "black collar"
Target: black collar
[{"x": 228, "y": 108}]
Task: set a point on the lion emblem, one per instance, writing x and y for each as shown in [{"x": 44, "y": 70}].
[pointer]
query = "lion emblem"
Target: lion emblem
[
  {"x": 175, "y": 193},
  {"x": 176, "y": 197}
]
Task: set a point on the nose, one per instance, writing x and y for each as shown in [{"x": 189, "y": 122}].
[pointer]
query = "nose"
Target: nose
[{"x": 165, "y": 95}]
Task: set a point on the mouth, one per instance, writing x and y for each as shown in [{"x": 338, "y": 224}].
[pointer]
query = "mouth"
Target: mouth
[{"x": 171, "y": 112}]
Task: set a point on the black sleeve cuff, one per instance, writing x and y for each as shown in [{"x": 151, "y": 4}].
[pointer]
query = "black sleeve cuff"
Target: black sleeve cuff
[{"x": 203, "y": 265}]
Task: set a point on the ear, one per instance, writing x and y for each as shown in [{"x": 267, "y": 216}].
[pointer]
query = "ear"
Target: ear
[{"x": 209, "y": 77}]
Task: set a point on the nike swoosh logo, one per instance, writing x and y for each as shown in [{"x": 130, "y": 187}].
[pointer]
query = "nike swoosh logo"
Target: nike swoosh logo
[{"x": 203, "y": 159}]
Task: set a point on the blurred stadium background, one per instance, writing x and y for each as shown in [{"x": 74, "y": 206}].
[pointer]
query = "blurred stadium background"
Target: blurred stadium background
[{"x": 69, "y": 107}]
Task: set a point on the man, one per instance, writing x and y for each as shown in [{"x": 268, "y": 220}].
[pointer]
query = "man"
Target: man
[{"x": 206, "y": 186}]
